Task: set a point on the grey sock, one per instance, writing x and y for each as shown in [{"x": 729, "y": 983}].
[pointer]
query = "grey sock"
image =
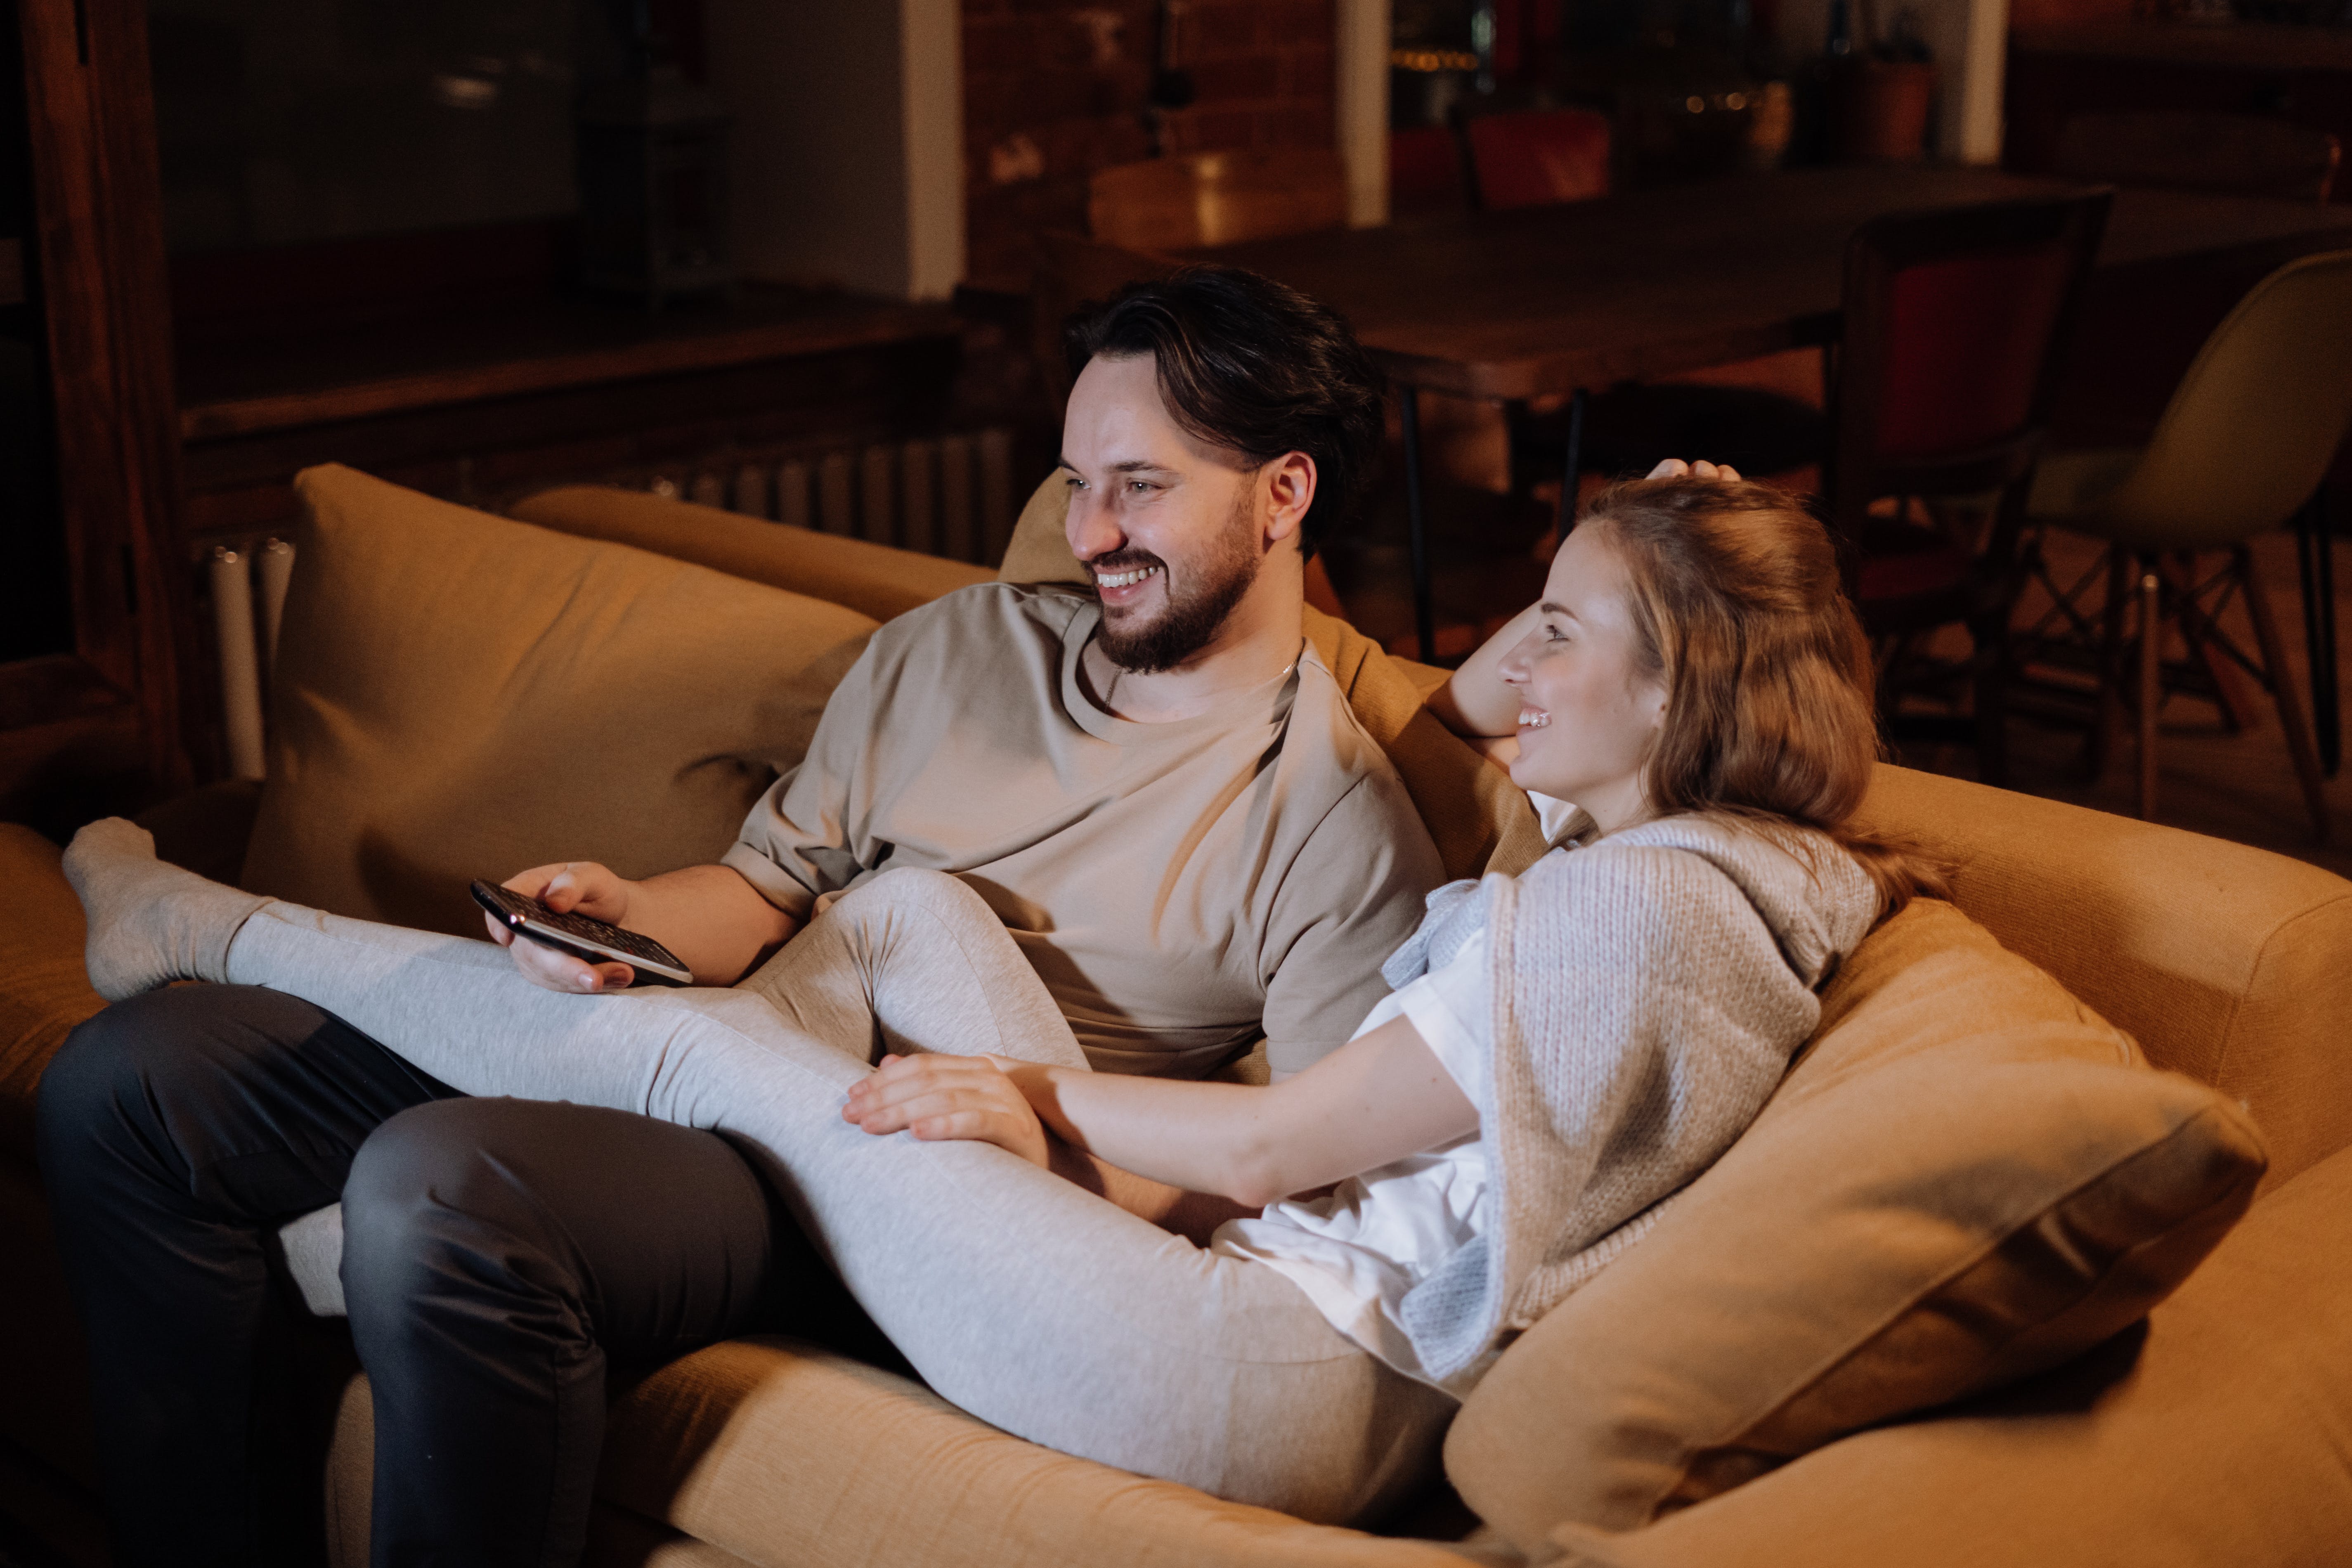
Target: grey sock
[{"x": 150, "y": 922}]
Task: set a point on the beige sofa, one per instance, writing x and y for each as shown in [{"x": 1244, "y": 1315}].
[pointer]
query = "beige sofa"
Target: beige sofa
[{"x": 1901, "y": 1324}]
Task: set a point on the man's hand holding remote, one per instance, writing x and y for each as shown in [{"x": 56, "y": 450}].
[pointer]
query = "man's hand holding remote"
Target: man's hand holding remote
[{"x": 713, "y": 920}]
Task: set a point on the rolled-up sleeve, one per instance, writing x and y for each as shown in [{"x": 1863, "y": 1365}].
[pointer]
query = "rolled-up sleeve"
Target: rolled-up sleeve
[
  {"x": 1353, "y": 894},
  {"x": 799, "y": 840}
]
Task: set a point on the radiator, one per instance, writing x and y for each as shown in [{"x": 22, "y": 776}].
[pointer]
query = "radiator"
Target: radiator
[
  {"x": 248, "y": 601},
  {"x": 947, "y": 494}
]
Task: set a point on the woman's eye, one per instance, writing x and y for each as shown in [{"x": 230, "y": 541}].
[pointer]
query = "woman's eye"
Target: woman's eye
[{"x": 1139, "y": 485}]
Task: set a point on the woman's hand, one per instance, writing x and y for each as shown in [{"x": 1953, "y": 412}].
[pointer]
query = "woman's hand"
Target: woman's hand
[
  {"x": 583, "y": 885},
  {"x": 935, "y": 1095},
  {"x": 1675, "y": 469}
]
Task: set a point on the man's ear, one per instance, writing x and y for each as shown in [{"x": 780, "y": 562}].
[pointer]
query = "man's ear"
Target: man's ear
[{"x": 1289, "y": 482}]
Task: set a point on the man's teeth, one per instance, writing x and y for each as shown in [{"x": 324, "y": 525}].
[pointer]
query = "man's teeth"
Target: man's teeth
[
  {"x": 1533, "y": 718},
  {"x": 1122, "y": 579}
]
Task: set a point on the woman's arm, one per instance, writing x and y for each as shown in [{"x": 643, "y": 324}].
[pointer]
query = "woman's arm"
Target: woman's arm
[
  {"x": 1475, "y": 702},
  {"x": 1376, "y": 1098}
]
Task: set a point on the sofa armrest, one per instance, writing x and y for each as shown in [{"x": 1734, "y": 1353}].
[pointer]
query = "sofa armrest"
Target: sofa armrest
[
  {"x": 872, "y": 579},
  {"x": 2226, "y": 962},
  {"x": 44, "y": 989}
]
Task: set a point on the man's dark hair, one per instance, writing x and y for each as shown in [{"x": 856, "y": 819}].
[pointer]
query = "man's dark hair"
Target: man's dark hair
[{"x": 1256, "y": 368}]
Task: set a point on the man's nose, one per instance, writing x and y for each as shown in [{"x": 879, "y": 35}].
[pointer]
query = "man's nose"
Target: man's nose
[{"x": 1090, "y": 529}]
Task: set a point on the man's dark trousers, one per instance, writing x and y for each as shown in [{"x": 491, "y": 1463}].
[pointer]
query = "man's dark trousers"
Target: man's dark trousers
[{"x": 495, "y": 1251}]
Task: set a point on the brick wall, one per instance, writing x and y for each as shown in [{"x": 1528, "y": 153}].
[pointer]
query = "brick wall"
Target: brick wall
[{"x": 1054, "y": 91}]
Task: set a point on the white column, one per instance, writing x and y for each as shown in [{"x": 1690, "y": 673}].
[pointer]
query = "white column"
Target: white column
[
  {"x": 932, "y": 47},
  {"x": 1362, "y": 133},
  {"x": 847, "y": 142},
  {"x": 1972, "y": 118}
]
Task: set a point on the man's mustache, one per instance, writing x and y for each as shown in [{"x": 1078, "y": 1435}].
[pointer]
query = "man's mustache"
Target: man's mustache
[{"x": 1124, "y": 560}]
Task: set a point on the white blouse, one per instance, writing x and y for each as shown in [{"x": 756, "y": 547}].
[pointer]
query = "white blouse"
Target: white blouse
[{"x": 1358, "y": 1249}]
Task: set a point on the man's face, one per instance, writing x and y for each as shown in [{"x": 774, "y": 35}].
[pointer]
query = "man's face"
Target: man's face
[{"x": 1167, "y": 524}]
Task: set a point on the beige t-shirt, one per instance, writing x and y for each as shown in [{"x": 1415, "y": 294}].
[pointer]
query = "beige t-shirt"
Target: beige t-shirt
[{"x": 1179, "y": 887}]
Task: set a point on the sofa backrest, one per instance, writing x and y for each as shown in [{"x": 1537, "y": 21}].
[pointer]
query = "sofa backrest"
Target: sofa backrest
[
  {"x": 2228, "y": 964},
  {"x": 872, "y": 579}
]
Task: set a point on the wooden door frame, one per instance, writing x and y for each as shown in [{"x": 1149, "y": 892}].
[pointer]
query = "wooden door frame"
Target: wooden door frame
[{"x": 105, "y": 295}]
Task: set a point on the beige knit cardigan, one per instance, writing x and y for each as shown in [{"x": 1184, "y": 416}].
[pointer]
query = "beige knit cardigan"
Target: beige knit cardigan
[{"x": 1647, "y": 992}]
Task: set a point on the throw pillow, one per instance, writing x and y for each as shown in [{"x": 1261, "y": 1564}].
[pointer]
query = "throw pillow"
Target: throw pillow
[
  {"x": 456, "y": 695},
  {"x": 1967, "y": 1177}
]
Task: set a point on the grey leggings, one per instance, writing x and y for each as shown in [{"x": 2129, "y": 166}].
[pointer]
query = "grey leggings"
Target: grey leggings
[{"x": 1034, "y": 1305}]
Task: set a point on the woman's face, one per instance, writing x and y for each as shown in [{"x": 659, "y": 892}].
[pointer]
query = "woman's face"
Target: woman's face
[{"x": 1589, "y": 715}]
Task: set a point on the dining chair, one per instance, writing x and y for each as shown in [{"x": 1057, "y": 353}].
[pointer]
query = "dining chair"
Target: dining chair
[
  {"x": 2235, "y": 154},
  {"x": 1954, "y": 322},
  {"x": 2240, "y": 449},
  {"x": 1217, "y": 198},
  {"x": 1425, "y": 172},
  {"x": 1531, "y": 157}
]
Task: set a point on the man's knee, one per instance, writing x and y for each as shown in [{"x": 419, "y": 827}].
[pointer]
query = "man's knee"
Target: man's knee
[
  {"x": 142, "y": 1054},
  {"x": 430, "y": 1209}
]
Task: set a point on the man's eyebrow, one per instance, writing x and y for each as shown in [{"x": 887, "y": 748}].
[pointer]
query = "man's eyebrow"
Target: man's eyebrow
[{"x": 1131, "y": 466}]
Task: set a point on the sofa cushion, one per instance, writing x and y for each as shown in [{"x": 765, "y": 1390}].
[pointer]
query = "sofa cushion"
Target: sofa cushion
[
  {"x": 2220, "y": 1436},
  {"x": 1479, "y": 821},
  {"x": 794, "y": 1457},
  {"x": 787, "y": 1455},
  {"x": 456, "y": 695},
  {"x": 1968, "y": 1177}
]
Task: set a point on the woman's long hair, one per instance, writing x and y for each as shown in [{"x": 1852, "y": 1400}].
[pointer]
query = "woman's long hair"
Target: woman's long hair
[{"x": 1737, "y": 606}]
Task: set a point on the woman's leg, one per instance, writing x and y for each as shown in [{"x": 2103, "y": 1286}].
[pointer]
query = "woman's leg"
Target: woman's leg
[
  {"x": 915, "y": 961},
  {"x": 1031, "y": 1303}
]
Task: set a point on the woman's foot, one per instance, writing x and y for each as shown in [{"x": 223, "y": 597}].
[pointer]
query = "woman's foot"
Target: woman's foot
[{"x": 150, "y": 923}]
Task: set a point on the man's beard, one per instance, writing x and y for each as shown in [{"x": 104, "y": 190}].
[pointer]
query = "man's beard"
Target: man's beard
[{"x": 1186, "y": 621}]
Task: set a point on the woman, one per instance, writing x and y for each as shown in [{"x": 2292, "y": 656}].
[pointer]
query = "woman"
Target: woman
[{"x": 1604, "y": 1026}]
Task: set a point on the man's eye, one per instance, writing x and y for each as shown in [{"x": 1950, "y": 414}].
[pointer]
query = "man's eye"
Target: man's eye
[
  {"x": 1140, "y": 485},
  {"x": 1075, "y": 482}
]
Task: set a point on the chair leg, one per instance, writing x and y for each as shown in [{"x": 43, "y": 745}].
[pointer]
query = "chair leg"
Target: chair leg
[
  {"x": 2111, "y": 663},
  {"x": 1989, "y": 698},
  {"x": 2151, "y": 686},
  {"x": 2290, "y": 705},
  {"x": 2315, "y": 555},
  {"x": 2229, "y": 696}
]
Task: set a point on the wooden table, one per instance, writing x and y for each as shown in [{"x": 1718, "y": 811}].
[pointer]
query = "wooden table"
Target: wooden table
[{"x": 1547, "y": 301}]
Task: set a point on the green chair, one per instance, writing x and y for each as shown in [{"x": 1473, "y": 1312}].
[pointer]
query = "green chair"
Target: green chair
[{"x": 2240, "y": 449}]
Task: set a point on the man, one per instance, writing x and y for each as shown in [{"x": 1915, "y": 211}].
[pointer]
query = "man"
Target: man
[{"x": 1157, "y": 787}]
